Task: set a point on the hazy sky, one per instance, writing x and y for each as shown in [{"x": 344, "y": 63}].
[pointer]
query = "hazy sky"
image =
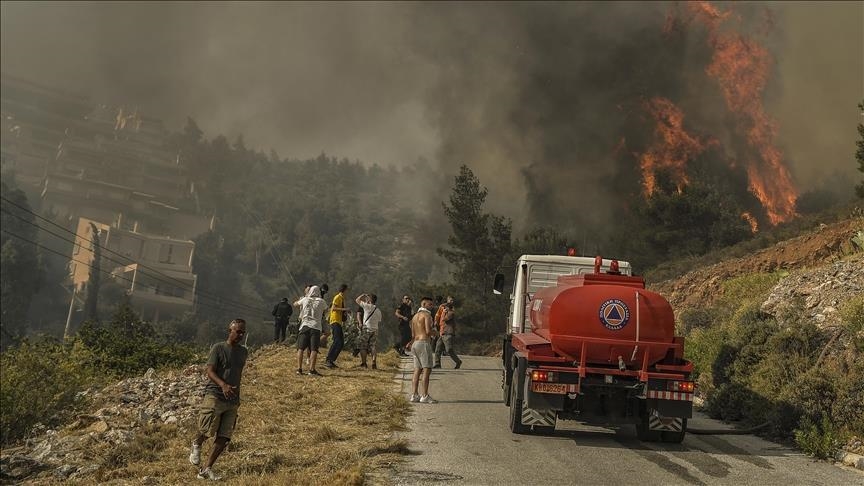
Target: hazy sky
[{"x": 389, "y": 82}]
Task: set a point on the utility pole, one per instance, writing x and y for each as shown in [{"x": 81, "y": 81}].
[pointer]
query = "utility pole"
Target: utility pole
[{"x": 69, "y": 315}]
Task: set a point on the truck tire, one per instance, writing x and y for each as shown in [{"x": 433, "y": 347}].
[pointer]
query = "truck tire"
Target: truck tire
[
  {"x": 516, "y": 399},
  {"x": 643, "y": 430},
  {"x": 675, "y": 437},
  {"x": 508, "y": 376}
]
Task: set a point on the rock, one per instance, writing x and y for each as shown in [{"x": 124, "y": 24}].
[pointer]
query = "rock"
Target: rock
[
  {"x": 17, "y": 467},
  {"x": 149, "y": 480},
  {"x": 99, "y": 427},
  {"x": 64, "y": 471}
]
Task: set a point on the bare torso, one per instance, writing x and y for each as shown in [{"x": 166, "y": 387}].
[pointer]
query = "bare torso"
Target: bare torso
[{"x": 421, "y": 325}]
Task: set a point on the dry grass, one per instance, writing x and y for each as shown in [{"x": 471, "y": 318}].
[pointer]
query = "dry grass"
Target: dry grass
[{"x": 333, "y": 430}]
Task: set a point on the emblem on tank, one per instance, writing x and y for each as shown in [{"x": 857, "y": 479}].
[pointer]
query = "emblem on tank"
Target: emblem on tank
[{"x": 614, "y": 314}]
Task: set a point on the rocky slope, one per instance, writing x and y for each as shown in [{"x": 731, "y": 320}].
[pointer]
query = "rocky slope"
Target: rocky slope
[{"x": 807, "y": 258}]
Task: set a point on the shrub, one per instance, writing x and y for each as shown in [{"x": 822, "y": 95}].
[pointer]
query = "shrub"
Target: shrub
[
  {"x": 124, "y": 347},
  {"x": 24, "y": 404},
  {"x": 821, "y": 441}
]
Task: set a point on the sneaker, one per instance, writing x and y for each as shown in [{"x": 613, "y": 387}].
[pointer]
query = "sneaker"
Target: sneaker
[
  {"x": 374, "y": 366},
  {"x": 208, "y": 474},
  {"x": 330, "y": 365},
  {"x": 427, "y": 399},
  {"x": 299, "y": 371},
  {"x": 436, "y": 366},
  {"x": 195, "y": 455},
  {"x": 363, "y": 365},
  {"x": 458, "y": 365},
  {"x": 314, "y": 373},
  {"x": 414, "y": 398}
]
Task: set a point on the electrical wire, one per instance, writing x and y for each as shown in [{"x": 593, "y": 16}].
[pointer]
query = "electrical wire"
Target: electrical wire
[
  {"x": 173, "y": 281},
  {"x": 215, "y": 304}
]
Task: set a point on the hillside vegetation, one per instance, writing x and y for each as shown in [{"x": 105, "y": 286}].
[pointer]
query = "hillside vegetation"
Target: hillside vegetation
[{"x": 777, "y": 336}]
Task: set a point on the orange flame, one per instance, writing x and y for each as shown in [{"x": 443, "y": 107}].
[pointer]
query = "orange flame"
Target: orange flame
[
  {"x": 754, "y": 225},
  {"x": 741, "y": 67},
  {"x": 672, "y": 148}
]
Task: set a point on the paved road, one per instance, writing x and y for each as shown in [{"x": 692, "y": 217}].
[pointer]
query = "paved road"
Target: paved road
[{"x": 464, "y": 440}]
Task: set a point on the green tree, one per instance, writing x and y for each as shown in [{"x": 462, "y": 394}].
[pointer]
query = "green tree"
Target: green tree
[
  {"x": 91, "y": 304},
  {"x": 859, "y": 153},
  {"x": 477, "y": 246},
  {"x": 20, "y": 261}
]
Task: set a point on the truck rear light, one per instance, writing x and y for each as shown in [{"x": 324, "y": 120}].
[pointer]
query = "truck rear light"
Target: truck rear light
[
  {"x": 540, "y": 375},
  {"x": 681, "y": 386}
]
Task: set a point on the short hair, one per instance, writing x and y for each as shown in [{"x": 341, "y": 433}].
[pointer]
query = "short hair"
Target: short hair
[
  {"x": 343, "y": 287},
  {"x": 237, "y": 321},
  {"x": 426, "y": 298},
  {"x": 373, "y": 298}
]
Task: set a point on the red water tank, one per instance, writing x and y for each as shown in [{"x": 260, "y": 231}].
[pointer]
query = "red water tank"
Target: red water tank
[{"x": 603, "y": 307}]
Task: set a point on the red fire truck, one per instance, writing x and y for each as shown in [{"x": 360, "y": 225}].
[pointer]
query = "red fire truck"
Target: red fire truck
[{"x": 587, "y": 342}]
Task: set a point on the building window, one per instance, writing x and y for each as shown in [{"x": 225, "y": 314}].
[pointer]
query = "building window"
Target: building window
[{"x": 165, "y": 253}]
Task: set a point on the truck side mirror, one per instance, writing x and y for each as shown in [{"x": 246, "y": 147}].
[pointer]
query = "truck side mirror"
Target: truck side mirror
[{"x": 498, "y": 286}]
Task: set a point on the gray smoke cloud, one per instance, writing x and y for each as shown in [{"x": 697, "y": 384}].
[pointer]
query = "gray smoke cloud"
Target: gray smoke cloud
[{"x": 536, "y": 98}]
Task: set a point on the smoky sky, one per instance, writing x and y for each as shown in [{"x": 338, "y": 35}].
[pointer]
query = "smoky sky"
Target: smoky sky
[{"x": 534, "y": 97}]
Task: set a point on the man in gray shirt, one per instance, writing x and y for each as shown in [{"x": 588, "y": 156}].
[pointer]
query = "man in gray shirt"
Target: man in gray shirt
[{"x": 218, "y": 413}]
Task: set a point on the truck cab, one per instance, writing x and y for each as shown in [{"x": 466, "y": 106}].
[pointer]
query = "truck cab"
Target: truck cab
[{"x": 535, "y": 272}]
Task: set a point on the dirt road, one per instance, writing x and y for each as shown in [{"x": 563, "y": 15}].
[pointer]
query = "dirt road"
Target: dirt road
[{"x": 464, "y": 439}]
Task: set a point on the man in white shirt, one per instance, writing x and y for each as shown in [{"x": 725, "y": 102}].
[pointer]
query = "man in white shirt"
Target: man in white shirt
[
  {"x": 368, "y": 328},
  {"x": 312, "y": 308}
]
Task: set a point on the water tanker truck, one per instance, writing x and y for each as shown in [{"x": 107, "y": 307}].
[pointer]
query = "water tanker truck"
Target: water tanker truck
[{"x": 586, "y": 341}]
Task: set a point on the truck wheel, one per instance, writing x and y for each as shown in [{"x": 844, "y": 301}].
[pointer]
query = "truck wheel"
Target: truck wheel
[
  {"x": 516, "y": 410},
  {"x": 644, "y": 432},
  {"x": 506, "y": 386},
  {"x": 675, "y": 437}
]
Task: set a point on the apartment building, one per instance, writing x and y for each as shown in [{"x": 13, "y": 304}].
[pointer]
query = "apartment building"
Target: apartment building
[{"x": 155, "y": 271}]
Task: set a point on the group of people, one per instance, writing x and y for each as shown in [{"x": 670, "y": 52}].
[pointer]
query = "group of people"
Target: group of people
[{"x": 426, "y": 335}]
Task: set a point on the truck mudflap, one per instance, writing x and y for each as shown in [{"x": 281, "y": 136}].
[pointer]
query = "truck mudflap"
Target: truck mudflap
[
  {"x": 668, "y": 424},
  {"x": 543, "y": 418}
]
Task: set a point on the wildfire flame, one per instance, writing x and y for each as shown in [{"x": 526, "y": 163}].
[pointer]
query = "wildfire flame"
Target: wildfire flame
[
  {"x": 672, "y": 148},
  {"x": 741, "y": 67},
  {"x": 754, "y": 225}
]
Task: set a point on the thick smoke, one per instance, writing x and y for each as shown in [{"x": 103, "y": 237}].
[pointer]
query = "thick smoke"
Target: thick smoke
[
  {"x": 544, "y": 101},
  {"x": 299, "y": 78}
]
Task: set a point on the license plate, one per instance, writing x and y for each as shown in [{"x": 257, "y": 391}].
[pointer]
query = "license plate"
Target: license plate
[{"x": 557, "y": 388}]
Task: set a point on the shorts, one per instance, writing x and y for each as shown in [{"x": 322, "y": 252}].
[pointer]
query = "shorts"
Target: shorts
[
  {"x": 423, "y": 354},
  {"x": 367, "y": 340},
  {"x": 308, "y": 338},
  {"x": 217, "y": 418}
]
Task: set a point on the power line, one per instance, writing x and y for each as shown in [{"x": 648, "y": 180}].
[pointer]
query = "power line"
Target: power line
[
  {"x": 184, "y": 286},
  {"x": 142, "y": 265},
  {"x": 216, "y": 303},
  {"x": 276, "y": 258}
]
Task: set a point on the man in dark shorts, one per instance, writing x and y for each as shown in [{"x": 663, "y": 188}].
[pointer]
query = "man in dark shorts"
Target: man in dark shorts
[
  {"x": 404, "y": 314},
  {"x": 312, "y": 308},
  {"x": 221, "y": 397},
  {"x": 281, "y": 314}
]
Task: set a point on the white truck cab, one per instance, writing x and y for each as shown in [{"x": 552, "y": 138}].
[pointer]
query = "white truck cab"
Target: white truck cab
[{"x": 534, "y": 272}]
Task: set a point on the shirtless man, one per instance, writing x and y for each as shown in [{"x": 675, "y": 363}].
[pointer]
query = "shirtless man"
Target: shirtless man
[{"x": 421, "y": 347}]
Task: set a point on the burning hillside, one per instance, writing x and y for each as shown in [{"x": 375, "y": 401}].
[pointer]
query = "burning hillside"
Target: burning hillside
[{"x": 605, "y": 107}]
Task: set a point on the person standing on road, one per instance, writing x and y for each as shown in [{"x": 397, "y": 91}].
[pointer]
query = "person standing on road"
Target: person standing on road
[
  {"x": 312, "y": 308},
  {"x": 281, "y": 314},
  {"x": 404, "y": 314},
  {"x": 421, "y": 348},
  {"x": 337, "y": 318},
  {"x": 368, "y": 337},
  {"x": 447, "y": 340},
  {"x": 218, "y": 412}
]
